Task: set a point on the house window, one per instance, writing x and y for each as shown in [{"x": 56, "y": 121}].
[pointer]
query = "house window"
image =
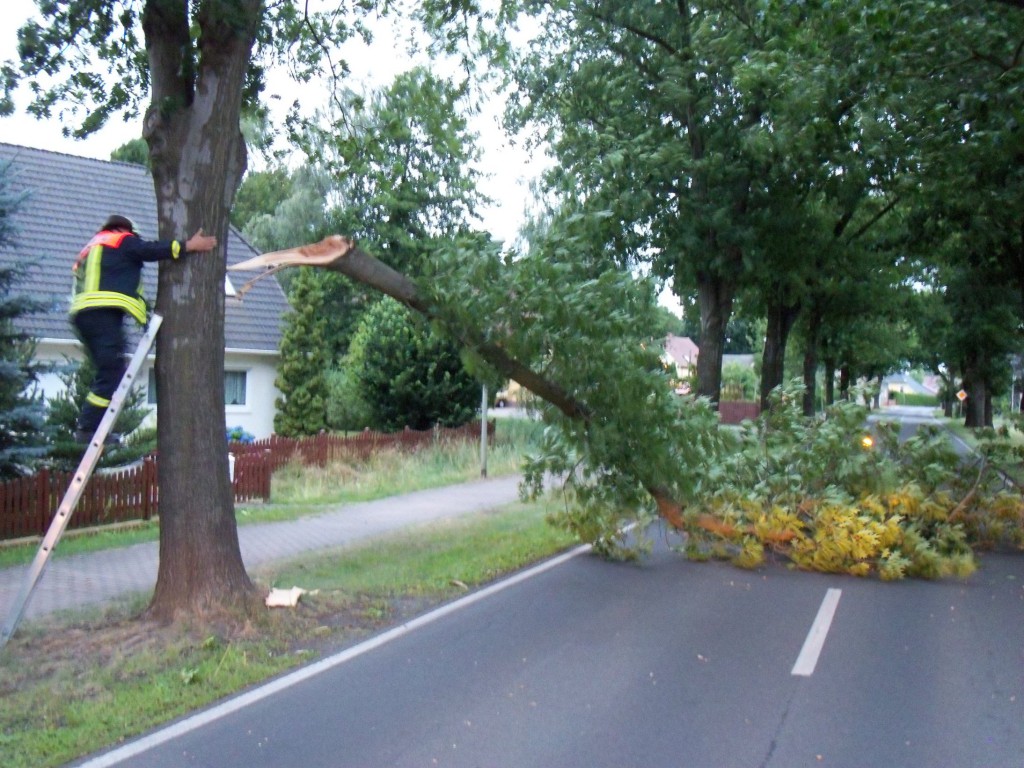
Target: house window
[{"x": 234, "y": 387}]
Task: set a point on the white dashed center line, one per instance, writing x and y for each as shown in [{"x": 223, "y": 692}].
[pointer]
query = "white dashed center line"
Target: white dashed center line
[{"x": 808, "y": 658}]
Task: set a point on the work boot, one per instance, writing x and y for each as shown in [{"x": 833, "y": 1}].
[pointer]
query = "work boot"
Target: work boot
[{"x": 85, "y": 437}]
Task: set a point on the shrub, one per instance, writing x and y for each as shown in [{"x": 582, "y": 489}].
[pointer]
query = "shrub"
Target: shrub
[
  {"x": 408, "y": 374},
  {"x": 239, "y": 435}
]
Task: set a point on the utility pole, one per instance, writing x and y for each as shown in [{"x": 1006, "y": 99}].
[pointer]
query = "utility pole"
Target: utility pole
[{"x": 483, "y": 431}]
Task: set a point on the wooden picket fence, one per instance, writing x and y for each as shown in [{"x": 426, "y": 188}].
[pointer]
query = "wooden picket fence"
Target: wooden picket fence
[
  {"x": 322, "y": 449},
  {"x": 27, "y": 504},
  {"x": 737, "y": 411}
]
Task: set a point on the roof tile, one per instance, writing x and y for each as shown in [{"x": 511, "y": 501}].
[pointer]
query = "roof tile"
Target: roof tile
[{"x": 67, "y": 198}]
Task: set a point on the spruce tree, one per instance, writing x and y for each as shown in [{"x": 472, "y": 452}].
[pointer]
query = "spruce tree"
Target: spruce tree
[
  {"x": 22, "y": 413},
  {"x": 302, "y": 372}
]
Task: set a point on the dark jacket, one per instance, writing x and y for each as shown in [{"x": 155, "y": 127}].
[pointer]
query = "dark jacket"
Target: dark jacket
[{"x": 108, "y": 271}]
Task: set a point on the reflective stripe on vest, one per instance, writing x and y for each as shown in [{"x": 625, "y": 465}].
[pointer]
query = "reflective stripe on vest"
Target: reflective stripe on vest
[{"x": 86, "y": 293}]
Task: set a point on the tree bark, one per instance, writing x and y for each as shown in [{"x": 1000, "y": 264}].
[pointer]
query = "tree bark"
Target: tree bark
[
  {"x": 830, "y": 381},
  {"x": 810, "y": 367},
  {"x": 780, "y": 322},
  {"x": 844, "y": 382},
  {"x": 714, "y": 297},
  {"x": 977, "y": 392},
  {"x": 192, "y": 129},
  {"x": 811, "y": 370},
  {"x": 974, "y": 404}
]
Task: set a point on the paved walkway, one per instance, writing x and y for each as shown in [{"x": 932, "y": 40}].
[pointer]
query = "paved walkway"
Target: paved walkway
[{"x": 92, "y": 579}]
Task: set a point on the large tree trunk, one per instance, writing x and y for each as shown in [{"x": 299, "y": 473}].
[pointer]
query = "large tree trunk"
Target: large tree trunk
[
  {"x": 974, "y": 405},
  {"x": 830, "y": 381},
  {"x": 714, "y": 297},
  {"x": 845, "y": 378},
  {"x": 947, "y": 402},
  {"x": 977, "y": 392},
  {"x": 192, "y": 132},
  {"x": 811, "y": 363},
  {"x": 780, "y": 322}
]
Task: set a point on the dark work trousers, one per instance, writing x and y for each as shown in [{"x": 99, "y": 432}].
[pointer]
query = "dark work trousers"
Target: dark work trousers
[{"x": 102, "y": 332}]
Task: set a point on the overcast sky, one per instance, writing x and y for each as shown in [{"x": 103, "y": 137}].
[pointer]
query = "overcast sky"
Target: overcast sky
[{"x": 509, "y": 167}]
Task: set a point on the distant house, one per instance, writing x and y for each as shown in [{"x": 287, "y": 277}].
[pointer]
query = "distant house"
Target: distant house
[
  {"x": 904, "y": 384},
  {"x": 66, "y": 199},
  {"x": 744, "y": 361},
  {"x": 681, "y": 356}
]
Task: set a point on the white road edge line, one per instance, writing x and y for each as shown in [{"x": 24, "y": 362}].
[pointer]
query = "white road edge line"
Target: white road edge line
[
  {"x": 230, "y": 706},
  {"x": 808, "y": 658}
]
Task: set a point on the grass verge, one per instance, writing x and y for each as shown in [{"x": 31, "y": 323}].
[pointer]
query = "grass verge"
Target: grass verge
[{"x": 70, "y": 687}]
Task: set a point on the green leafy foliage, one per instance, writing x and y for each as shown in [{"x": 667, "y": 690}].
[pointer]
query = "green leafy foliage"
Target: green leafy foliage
[
  {"x": 347, "y": 409},
  {"x": 135, "y": 151},
  {"x": 409, "y": 375},
  {"x": 403, "y": 163},
  {"x": 260, "y": 194},
  {"x": 22, "y": 413},
  {"x": 739, "y": 382},
  {"x": 820, "y": 494},
  {"x": 588, "y": 328}
]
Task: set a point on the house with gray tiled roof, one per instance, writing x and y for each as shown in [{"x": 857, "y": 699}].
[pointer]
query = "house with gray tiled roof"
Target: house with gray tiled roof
[
  {"x": 680, "y": 356},
  {"x": 66, "y": 198}
]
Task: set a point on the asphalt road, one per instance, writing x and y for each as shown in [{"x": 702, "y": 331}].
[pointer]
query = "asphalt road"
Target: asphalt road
[{"x": 662, "y": 663}]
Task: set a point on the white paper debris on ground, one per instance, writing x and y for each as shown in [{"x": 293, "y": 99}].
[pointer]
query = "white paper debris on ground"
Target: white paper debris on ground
[{"x": 286, "y": 598}]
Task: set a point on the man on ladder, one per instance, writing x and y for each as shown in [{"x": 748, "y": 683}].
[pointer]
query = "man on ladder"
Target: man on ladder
[{"x": 108, "y": 286}]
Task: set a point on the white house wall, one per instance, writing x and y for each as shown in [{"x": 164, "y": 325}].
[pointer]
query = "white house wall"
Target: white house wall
[
  {"x": 56, "y": 353},
  {"x": 255, "y": 416}
]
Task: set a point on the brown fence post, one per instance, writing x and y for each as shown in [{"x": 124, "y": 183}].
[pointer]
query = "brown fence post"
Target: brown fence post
[
  {"x": 43, "y": 500},
  {"x": 266, "y": 469},
  {"x": 149, "y": 487}
]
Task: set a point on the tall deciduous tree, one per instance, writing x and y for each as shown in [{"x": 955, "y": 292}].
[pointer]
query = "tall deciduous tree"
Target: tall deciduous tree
[
  {"x": 968, "y": 213},
  {"x": 641, "y": 105},
  {"x": 200, "y": 65}
]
